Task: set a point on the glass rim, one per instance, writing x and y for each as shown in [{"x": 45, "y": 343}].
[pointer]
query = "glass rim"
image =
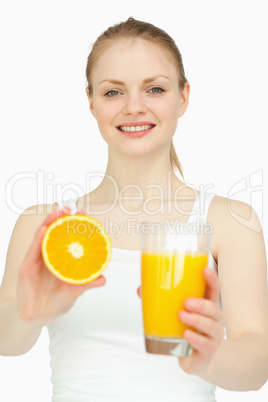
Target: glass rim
[{"x": 185, "y": 237}]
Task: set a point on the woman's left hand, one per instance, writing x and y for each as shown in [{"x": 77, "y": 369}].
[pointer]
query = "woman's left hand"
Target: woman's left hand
[{"x": 206, "y": 317}]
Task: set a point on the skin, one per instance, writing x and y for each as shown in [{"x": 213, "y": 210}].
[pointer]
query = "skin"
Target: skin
[
  {"x": 245, "y": 310},
  {"x": 135, "y": 101},
  {"x": 30, "y": 296}
]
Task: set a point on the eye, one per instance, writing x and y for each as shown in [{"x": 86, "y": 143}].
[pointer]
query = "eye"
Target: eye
[
  {"x": 111, "y": 93},
  {"x": 156, "y": 90}
]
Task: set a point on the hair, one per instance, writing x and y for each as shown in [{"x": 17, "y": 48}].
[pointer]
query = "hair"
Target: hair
[{"x": 134, "y": 29}]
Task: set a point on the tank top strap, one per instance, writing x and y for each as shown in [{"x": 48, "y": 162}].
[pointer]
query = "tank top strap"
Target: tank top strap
[
  {"x": 199, "y": 217},
  {"x": 200, "y": 208},
  {"x": 68, "y": 203},
  {"x": 205, "y": 201}
]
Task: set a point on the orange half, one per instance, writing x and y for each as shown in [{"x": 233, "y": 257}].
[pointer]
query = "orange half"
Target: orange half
[{"x": 76, "y": 248}]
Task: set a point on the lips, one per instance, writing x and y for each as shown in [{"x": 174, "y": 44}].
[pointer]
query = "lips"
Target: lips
[
  {"x": 135, "y": 131},
  {"x": 135, "y": 127}
]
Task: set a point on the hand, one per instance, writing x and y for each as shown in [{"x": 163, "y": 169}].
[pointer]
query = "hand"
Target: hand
[
  {"x": 41, "y": 295},
  {"x": 206, "y": 317}
]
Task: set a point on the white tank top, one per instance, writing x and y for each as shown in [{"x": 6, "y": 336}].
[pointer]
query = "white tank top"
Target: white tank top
[{"x": 97, "y": 348}]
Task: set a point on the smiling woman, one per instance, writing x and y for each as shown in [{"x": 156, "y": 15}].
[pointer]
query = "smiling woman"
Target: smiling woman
[
  {"x": 137, "y": 91},
  {"x": 120, "y": 96},
  {"x": 131, "y": 31}
]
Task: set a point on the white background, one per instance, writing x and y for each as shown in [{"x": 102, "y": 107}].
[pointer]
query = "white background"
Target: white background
[{"x": 46, "y": 126}]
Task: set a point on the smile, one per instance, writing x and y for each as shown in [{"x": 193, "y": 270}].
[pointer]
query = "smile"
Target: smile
[{"x": 128, "y": 129}]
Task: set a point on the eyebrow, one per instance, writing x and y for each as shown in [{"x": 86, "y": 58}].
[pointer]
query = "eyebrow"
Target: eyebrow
[{"x": 146, "y": 81}]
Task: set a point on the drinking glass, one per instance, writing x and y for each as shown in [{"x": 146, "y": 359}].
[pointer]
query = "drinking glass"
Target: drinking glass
[{"x": 173, "y": 258}]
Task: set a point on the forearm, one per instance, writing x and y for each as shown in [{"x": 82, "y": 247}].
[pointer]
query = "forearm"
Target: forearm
[
  {"x": 17, "y": 336},
  {"x": 240, "y": 364}
]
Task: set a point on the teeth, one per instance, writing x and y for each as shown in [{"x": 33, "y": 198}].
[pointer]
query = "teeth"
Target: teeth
[{"x": 127, "y": 129}]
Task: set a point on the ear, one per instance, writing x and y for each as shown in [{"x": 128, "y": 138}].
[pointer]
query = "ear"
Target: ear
[
  {"x": 91, "y": 108},
  {"x": 185, "y": 94}
]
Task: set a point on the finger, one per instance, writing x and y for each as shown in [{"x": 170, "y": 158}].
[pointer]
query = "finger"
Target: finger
[
  {"x": 206, "y": 346},
  {"x": 202, "y": 306},
  {"x": 139, "y": 291},
  {"x": 207, "y": 326},
  {"x": 81, "y": 212},
  {"x": 59, "y": 214},
  {"x": 34, "y": 252},
  {"x": 212, "y": 285},
  {"x": 78, "y": 290},
  {"x": 100, "y": 281},
  {"x": 55, "y": 215}
]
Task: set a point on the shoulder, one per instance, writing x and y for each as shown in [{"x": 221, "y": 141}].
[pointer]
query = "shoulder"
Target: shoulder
[
  {"x": 40, "y": 209},
  {"x": 22, "y": 236},
  {"x": 232, "y": 221},
  {"x": 227, "y": 213},
  {"x": 30, "y": 220},
  {"x": 239, "y": 247},
  {"x": 36, "y": 213}
]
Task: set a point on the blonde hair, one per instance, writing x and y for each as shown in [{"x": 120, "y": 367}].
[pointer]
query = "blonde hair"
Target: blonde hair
[{"x": 134, "y": 29}]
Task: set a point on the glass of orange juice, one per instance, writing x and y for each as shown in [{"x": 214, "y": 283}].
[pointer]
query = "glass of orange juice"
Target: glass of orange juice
[{"x": 173, "y": 258}]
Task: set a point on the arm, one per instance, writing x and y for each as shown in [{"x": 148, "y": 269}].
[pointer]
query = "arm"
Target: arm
[
  {"x": 239, "y": 362},
  {"x": 30, "y": 295},
  {"x": 18, "y": 335}
]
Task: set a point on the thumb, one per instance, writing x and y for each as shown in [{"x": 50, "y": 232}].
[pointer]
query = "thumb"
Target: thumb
[{"x": 139, "y": 291}]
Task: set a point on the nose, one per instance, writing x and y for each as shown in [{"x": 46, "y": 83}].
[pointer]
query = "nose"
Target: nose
[{"x": 134, "y": 104}]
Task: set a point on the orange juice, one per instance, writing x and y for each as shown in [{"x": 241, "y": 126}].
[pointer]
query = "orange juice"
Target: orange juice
[{"x": 167, "y": 280}]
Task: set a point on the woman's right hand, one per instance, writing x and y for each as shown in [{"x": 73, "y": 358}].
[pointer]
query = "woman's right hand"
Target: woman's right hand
[{"x": 41, "y": 296}]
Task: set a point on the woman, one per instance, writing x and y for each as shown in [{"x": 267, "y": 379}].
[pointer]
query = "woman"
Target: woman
[{"x": 137, "y": 91}]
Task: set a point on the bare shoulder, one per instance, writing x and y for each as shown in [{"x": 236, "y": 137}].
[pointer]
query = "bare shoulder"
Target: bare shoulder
[
  {"x": 40, "y": 210},
  {"x": 232, "y": 220},
  {"x": 239, "y": 246},
  {"x": 22, "y": 236},
  {"x": 226, "y": 213},
  {"x": 31, "y": 218}
]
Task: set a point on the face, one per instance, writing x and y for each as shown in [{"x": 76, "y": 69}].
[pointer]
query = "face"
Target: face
[{"x": 136, "y": 99}]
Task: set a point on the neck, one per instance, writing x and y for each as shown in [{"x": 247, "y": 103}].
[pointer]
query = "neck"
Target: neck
[{"x": 138, "y": 178}]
